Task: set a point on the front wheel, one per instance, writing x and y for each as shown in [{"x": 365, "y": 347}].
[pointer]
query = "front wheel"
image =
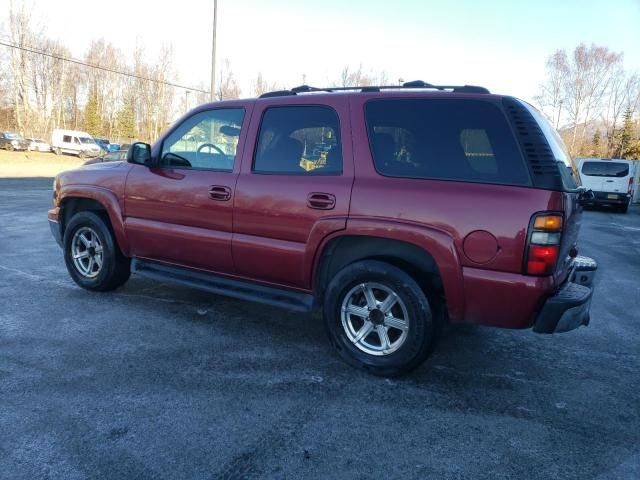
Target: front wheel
[
  {"x": 378, "y": 318},
  {"x": 91, "y": 254}
]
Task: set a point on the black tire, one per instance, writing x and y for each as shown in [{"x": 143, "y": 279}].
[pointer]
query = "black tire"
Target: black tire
[
  {"x": 82, "y": 155},
  {"x": 421, "y": 332},
  {"x": 115, "y": 269},
  {"x": 624, "y": 208},
  {"x": 10, "y": 147},
  {"x": 57, "y": 151}
]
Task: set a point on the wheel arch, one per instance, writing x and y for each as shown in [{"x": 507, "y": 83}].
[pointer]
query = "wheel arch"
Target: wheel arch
[
  {"x": 418, "y": 262},
  {"x": 98, "y": 200}
]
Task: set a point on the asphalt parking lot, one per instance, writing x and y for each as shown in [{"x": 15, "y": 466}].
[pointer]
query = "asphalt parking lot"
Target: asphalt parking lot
[{"x": 156, "y": 381}]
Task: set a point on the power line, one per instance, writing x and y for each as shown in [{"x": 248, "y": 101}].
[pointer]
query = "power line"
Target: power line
[{"x": 99, "y": 67}]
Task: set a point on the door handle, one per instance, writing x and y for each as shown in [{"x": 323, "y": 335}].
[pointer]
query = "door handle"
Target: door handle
[
  {"x": 321, "y": 201},
  {"x": 220, "y": 193}
]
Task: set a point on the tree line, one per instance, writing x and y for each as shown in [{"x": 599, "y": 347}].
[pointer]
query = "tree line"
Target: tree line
[
  {"x": 593, "y": 102},
  {"x": 587, "y": 94},
  {"x": 43, "y": 87}
]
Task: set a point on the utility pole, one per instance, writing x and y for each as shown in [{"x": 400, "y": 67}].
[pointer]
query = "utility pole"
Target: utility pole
[{"x": 213, "y": 52}]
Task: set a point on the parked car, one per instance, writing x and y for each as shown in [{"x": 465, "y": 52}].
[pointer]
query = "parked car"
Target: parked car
[
  {"x": 113, "y": 147},
  {"x": 611, "y": 180},
  {"x": 13, "y": 141},
  {"x": 74, "y": 142},
  {"x": 433, "y": 204},
  {"x": 119, "y": 155},
  {"x": 38, "y": 145},
  {"x": 103, "y": 143}
]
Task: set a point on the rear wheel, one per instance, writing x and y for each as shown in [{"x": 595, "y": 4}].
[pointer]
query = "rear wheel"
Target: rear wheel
[
  {"x": 91, "y": 254},
  {"x": 378, "y": 318},
  {"x": 624, "y": 208}
]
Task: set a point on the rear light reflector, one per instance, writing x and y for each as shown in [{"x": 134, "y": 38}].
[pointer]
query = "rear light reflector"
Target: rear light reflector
[{"x": 543, "y": 245}]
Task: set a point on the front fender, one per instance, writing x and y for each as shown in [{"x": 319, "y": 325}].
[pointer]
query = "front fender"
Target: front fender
[{"x": 107, "y": 199}]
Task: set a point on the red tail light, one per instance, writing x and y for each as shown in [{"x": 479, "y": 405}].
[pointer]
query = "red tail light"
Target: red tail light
[
  {"x": 543, "y": 244},
  {"x": 630, "y": 185}
]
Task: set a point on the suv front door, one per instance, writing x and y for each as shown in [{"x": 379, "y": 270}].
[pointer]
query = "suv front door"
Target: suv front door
[
  {"x": 180, "y": 210},
  {"x": 294, "y": 189}
]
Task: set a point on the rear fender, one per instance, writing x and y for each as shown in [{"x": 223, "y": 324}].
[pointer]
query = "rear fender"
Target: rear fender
[{"x": 437, "y": 244}]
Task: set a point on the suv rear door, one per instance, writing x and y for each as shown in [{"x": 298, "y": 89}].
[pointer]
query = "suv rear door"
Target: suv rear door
[{"x": 294, "y": 188}]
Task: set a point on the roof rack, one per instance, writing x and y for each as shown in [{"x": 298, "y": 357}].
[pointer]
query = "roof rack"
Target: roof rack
[{"x": 372, "y": 88}]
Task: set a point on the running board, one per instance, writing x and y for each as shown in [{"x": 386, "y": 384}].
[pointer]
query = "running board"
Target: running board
[{"x": 289, "y": 299}]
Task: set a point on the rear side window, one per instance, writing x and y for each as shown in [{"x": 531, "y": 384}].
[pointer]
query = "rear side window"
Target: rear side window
[
  {"x": 605, "y": 169},
  {"x": 300, "y": 140},
  {"x": 448, "y": 139},
  {"x": 66, "y": 138}
]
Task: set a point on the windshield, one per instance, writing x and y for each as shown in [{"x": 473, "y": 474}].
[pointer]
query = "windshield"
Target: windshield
[
  {"x": 570, "y": 176},
  {"x": 13, "y": 136},
  {"x": 605, "y": 169},
  {"x": 86, "y": 140}
]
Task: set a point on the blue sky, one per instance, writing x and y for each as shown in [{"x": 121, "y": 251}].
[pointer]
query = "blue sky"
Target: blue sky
[{"x": 499, "y": 44}]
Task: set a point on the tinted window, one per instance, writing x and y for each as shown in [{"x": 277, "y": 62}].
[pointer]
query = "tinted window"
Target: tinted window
[
  {"x": 66, "y": 138},
  {"x": 207, "y": 140},
  {"x": 450, "y": 139},
  {"x": 605, "y": 169},
  {"x": 302, "y": 140}
]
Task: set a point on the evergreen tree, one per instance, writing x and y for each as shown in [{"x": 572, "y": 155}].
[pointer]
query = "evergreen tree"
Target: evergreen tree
[
  {"x": 126, "y": 121},
  {"x": 92, "y": 120},
  {"x": 628, "y": 141},
  {"x": 595, "y": 143}
]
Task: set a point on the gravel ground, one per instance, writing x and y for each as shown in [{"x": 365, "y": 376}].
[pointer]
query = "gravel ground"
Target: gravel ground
[
  {"x": 156, "y": 381},
  {"x": 35, "y": 164}
]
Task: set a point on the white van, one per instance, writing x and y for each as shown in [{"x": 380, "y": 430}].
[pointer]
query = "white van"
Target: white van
[
  {"x": 611, "y": 180},
  {"x": 74, "y": 142}
]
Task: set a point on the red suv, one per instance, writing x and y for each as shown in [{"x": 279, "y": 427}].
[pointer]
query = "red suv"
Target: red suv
[{"x": 392, "y": 209}]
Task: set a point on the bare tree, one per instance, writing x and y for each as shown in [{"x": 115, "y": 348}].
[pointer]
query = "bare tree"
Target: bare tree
[
  {"x": 259, "y": 86},
  {"x": 227, "y": 87},
  {"x": 551, "y": 95},
  {"x": 588, "y": 76}
]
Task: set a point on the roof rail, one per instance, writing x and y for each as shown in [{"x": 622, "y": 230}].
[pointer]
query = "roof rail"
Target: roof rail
[{"x": 373, "y": 88}]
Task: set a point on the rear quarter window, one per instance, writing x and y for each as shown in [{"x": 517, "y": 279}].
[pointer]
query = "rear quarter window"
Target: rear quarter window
[{"x": 448, "y": 139}]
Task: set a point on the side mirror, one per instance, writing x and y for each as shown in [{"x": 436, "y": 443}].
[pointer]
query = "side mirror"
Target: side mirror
[{"x": 139, "y": 153}]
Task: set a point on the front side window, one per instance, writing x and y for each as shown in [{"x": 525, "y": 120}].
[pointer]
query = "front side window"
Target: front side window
[
  {"x": 448, "y": 139},
  {"x": 207, "y": 140},
  {"x": 299, "y": 140}
]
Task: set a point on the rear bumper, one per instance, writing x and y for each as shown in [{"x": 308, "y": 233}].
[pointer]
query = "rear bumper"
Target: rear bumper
[
  {"x": 569, "y": 307},
  {"x": 609, "y": 198}
]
